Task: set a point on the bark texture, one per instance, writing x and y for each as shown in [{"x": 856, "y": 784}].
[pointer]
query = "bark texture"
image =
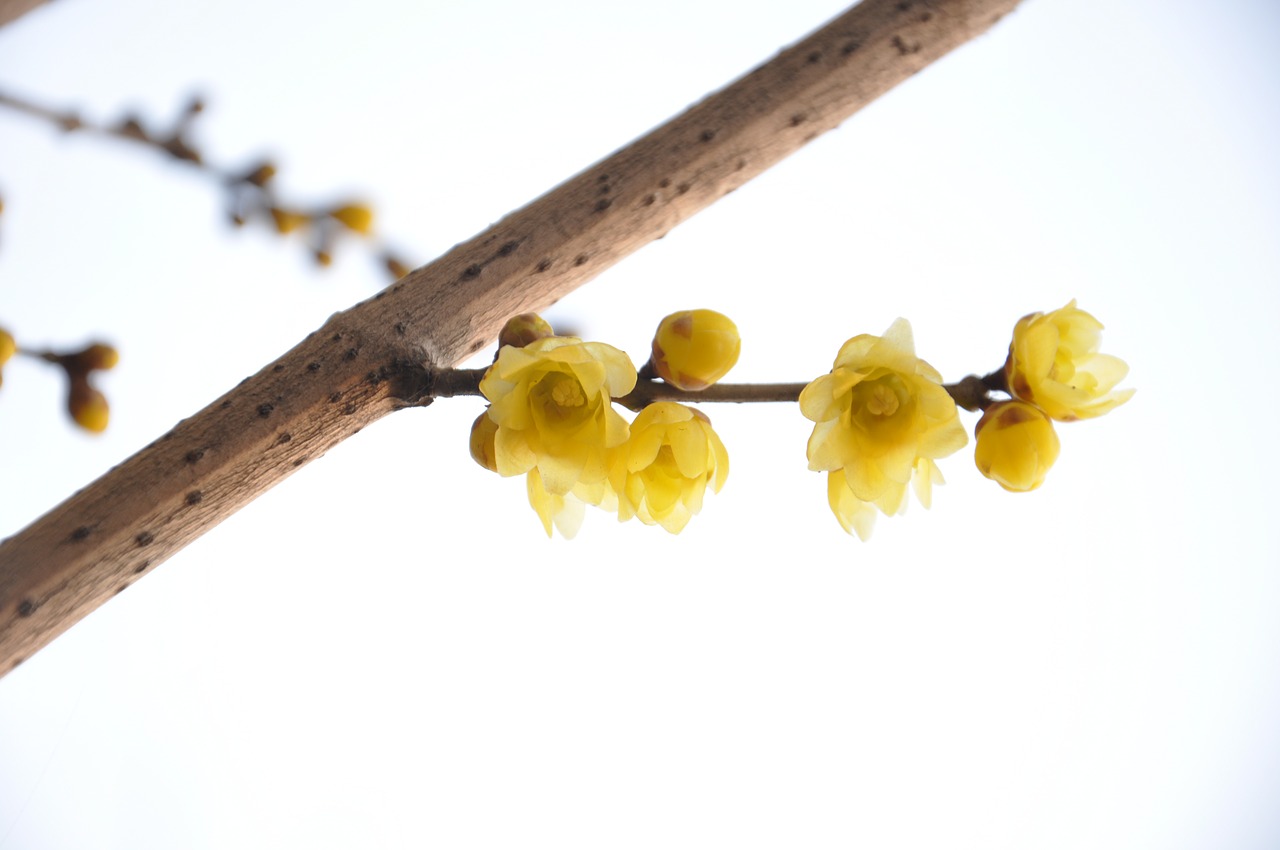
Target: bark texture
[{"x": 380, "y": 355}]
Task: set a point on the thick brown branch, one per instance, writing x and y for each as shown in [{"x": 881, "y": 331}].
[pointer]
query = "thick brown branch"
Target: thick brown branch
[{"x": 378, "y": 356}]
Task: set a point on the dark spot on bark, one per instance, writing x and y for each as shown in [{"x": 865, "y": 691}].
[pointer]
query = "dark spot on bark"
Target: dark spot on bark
[
  {"x": 904, "y": 6},
  {"x": 194, "y": 455},
  {"x": 682, "y": 188},
  {"x": 603, "y": 204},
  {"x": 477, "y": 345},
  {"x": 378, "y": 297},
  {"x": 349, "y": 408},
  {"x": 283, "y": 438},
  {"x": 81, "y": 534},
  {"x": 648, "y": 200},
  {"x": 141, "y": 568},
  {"x": 351, "y": 354},
  {"x": 742, "y": 163},
  {"x": 580, "y": 260},
  {"x": 146, "y": 538},
  {"x": 508, "y": 249},
  {"x": 264, "y": 409},
  {"x": 194, "y": 498},
  {"x": 543, "y": 265},
  {"x": 401, "y": 328},
  {"x": 300, "y": 461},
  {"x": 313, "y": 366},
  {"x": 850, "y": 47},
  {"x": 335, "y": 397},
  {"x": 121, "y": 588},
  {"x": 903, "y": 48},
  {"x": 810, "y": 138},
  {"x": 815, "y": 57},
  {"x": 707, "y": 135},
  {"x": 603, "y": 178},
  {"x": 26, "y": 608},
  {"x": 797, "y": 120},
  {"x": 279, "y": 367},
  {"x": 664, "y": 182},
  {"x": 225, "y": 404},
  {"x": 925, "y": 17},
  {"x": 357, "y": 430},
  {"x": 337, "y": 337},
  {"x": 472, "y": 271}
]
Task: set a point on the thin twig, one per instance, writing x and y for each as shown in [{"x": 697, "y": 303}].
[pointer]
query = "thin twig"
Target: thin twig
[{"x": 250, "y": 189}]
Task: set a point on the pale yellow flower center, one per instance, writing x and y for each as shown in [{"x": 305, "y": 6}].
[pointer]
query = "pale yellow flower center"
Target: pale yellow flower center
[
  {"x": 882, "y": 401},
  {"x": 561, "y": 396}
]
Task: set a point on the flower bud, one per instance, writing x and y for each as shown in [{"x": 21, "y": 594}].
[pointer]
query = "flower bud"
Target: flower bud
[
  {"x": 87, "y": 406},
  {"x": 521, "y": 330},
  {"x": 357, "y": 217},
  {"x": 7, "y": 348},
  {"x": 484, "y": 432},
  {"x": 1016, "y": 445},
  {"x": 695, "y": 348},
  {"x": 288, "y": 221},
  {"x": 97, "y": 356}
]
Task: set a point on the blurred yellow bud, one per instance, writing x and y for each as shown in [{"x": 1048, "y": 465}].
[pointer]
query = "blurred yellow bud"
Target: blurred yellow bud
[
  {"x": 97, "y": 356},
  {"x": 1016, "y": 445},
  {"x": 695, "y": 348},
  {"x": 483, "y": 432},
  {"x": 7, "y": 347},
  {"x": 521, "y": 330},
  {"x": 288, "y": 221},
  {"x": 87, "y": 406},
  {"x": 357, "y": 217}
]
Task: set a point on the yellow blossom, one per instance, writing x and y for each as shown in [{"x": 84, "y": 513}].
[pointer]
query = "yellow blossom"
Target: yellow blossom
[
  {"x": 693, "y": 349},
  {"x": 563, "y": 511},
  {"x": 551, "y": 401},
  {"x": 661, "y": 474},
  {"x": 882, "y": 418},
  {"x": 1054, "y": 364},
  {"x": 1016, "y": 445}
]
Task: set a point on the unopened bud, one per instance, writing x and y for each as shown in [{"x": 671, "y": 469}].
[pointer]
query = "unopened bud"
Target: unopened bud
[
  {"x": 693, "y": 349},
  {"x": 357, "y": 217},
  {"x": 87, "y": 406},
  {"x": 1016, "y": 445},
  {"x": 523, "y": 329},
  {"x": 484, "y": 432},
  {"x": 288, "y": 221}
]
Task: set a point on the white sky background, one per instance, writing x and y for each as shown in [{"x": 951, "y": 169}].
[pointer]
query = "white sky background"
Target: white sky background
[{"x": 385, "y": 651}]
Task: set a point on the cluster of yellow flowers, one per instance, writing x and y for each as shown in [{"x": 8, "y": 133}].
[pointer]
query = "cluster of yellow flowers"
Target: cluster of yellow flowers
[
  {"x": 882, "y": 417},
  {"x": 1054, "y": 372},
  {"x": 551, "y": 417}
]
